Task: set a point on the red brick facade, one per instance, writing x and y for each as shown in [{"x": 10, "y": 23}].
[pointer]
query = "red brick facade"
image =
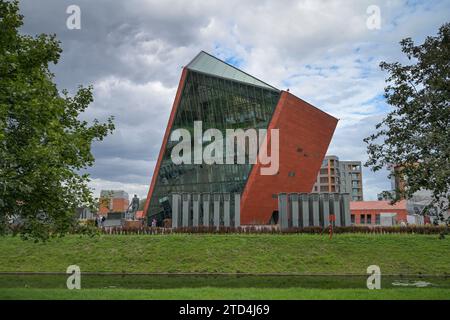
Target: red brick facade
[
  {"x": 305, "y": 133},
  {"x": 113, "y": 205}
]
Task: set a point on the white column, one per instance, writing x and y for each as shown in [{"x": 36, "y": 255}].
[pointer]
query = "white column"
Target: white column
[
  {"x": 325, "y": 206},
  {"x": 315, "y": 208},
  {"x": 226, "y": 210},
  {"x": 176, "y": 210},
  {"x": 186, "y": 209},
  {"x": 195, "y": 209},
  {"x": 206, "y": 206},
  {"x": 283, "y": 210},
  {"x": 217, "y": 209},
  {"x": 237, "y": 210},
  {"x": 293, "y": 199},
  {"x": 345, "y": 205},
  {"x": 336, "y": 208},
  {"x": 305, "y": 209}
]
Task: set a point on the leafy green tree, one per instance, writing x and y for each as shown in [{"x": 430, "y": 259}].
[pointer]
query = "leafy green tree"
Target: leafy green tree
[
  {"x": 43, "y": 144},
  {"x": 415, "y": 135},
  {"x": 142, "y": 203}
]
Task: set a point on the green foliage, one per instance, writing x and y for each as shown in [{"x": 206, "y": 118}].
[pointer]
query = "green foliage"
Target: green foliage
[
  {"x": 415, "y": 134},
  {"x": 142, "y": 204},
  {"x": 208, "y": 293},
  {"x": 43, "y": 144}
]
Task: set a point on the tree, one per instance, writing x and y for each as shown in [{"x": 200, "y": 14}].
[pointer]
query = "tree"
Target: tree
[
  {"x": 142, "y": 203},
  {"x": 43, "y": 144},
  {"x": 415, "y": 135}
]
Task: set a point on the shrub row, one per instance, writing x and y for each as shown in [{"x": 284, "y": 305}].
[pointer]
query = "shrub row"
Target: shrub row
[{"x": 276, "y": 230}]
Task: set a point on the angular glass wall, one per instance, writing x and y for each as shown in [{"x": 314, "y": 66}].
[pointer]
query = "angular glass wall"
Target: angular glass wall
[{"x": 222, "y": 104}]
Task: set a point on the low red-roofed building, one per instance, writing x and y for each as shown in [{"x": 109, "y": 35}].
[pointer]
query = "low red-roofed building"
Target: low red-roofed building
[{"x": 369, "y": 212}]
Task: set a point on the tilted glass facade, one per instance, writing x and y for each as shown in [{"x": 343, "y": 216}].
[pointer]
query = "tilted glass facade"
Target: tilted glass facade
[{"x": 220, "y": 103}]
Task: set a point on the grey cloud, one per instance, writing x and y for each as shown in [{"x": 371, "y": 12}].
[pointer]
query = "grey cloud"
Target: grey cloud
[
  {"x": 132, "y": 51},
  {"x": 116, "y": 38},
  {"x": 123, "y": 170}
]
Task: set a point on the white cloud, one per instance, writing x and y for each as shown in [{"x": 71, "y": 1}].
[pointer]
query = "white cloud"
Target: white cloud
[{"x": 131, "y": 188}]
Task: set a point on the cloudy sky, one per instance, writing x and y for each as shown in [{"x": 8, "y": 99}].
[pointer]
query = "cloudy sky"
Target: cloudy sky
[{"x": 132, "y": 53}]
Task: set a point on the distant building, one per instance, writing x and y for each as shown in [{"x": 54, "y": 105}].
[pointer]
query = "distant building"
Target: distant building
[
  {"x": 340, "y": 176},
  {"x": 372, "y": 212},
  {"x": 113, "y": 201},
  {"x": 418, "y": 202}
]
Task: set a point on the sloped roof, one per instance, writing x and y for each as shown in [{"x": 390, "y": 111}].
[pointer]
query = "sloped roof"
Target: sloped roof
[
  {"x": 206, "y": 63},
  {"x": 377, "y": 205}
]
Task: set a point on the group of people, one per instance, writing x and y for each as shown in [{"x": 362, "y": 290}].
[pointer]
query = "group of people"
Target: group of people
[{"x": 99, "y": 220}]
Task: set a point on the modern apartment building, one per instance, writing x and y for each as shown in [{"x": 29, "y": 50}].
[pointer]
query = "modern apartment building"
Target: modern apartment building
[{"x": 340, "y": 176}]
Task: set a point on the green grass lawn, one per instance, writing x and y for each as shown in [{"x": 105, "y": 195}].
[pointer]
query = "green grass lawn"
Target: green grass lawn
[
  {"x": 297, "y": 253},
  {"x": 345, "y": 258},
  {"x": 227, "y": 294}
]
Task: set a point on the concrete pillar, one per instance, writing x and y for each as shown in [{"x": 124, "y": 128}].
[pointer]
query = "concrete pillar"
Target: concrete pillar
[
  {"x": 305, "y": 209},
  {"x": 293, "y": 200},
  {"x": 283, "y": 211},
  {"x": 325, "y": 209},
  {"x": 186, "y": 209},
  {"x": 336, "y": 208},
  {"x": 315, "y": 209},
  {"x": 196, "y": 209},
  {"x": 206, "y": 209},
  {"x": 216, "y": 197},
  {"x": 345, "y": 207},
  {"x": 237, "y": 210},
  {"x": 176, "y": 210},
  {"x": 226, "y": 210}
]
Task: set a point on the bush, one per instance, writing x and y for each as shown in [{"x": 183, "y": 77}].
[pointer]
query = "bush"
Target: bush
[{"x": 275, "y": 230}]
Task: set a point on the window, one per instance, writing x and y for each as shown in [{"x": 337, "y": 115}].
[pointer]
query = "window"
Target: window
[
  {"x": 377, "y": 219},
  {"x": 362, "y": 219},
  {"x": 369, "y": 219},
  {"x": 352, "y": 217}
]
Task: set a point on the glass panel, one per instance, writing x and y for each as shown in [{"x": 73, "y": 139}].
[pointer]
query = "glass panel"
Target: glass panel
[
  {"x": 222, "y": 104},
  {"x": 209, "y": 64}
]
